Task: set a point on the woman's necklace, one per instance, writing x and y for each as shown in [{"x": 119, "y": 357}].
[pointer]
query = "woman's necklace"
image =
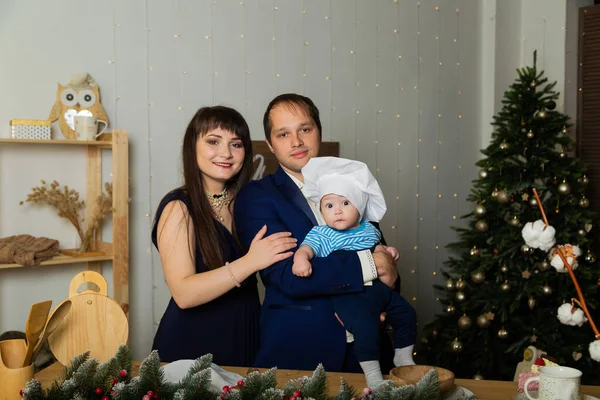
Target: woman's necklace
[{"x": 217, "y": 201}]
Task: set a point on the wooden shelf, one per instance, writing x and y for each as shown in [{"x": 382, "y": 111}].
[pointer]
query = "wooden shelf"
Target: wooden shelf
[
  {"x": 105, "y": 140},
  {"x": 62, "y": 259}
]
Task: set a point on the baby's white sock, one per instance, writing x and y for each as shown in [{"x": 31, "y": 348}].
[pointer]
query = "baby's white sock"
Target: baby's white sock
[
  {"x": 403, "y": 356},
  {"x": 372, "y": 372}
]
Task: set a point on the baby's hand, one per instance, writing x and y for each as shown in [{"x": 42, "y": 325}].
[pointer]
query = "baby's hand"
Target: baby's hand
[
  {"x": 391, "y": 251},
  {"x": 301, "y": 267}
]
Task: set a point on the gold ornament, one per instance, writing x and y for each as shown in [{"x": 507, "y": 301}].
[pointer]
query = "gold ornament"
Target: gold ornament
[
  {"x": 424, "y": 340},
  {"x": 478, "y": 277},
  {"x": 460, "y": 284},
  {"x": 589, "y": 257},
  {"x": 478, "y": 377},
  {"x": 525, "y": 274},
  {"x": 542, "y": 114},
  {"x": 217, "y": 201},
  {"x": 543, "y": 265},
  {"x": 502, "y": 197},
  {"x": 456, "y": 346},
  {"x": 450, "y": 309},
  {"x": 481, "y": 226},
  {"x": 557, "y": 211},
  {"x": 581, "y": 232},
  {"x": 547, "y": 290},
  {"x": 564, "y": 130},
  {"x": 505, "y": 287},
  {"x": 585, "y": 180},
  {"x": 515, "y": 221},
  {"x": 564, "y": 188},
  {"x": 584, "y": 202},
  {"x": 525, "y": 196},
  {"x": 480, "y": 210},
  {"x": 460, "y": 296},
  {"x": 503, "y": 145},
  {"x": 530, "y": 134},
  {"x": 496, "y": 251},
  {"x": 474, "y": 252},
  {"x": 503, "y": 333},
  {"x": 504, "y": 268},
  {"x": 495, "y": 193},
  {"x": 522, "y": 121},
  {"x": 434, "y": 333},
  {"x": 531, "y": 303},
  {"x": 551, "y": 105},
  {"x": 449, "y": 284},
  {"x": 533, "y": 84},
  {"x": 483, "y": 174},
  {"x": 464, "y": 322},
  {"x": 533, "y": 202},
  {"x": 483, "y": 322},
  {"x": 562, "y": 154},
  {"x": 526, "y": 249}
]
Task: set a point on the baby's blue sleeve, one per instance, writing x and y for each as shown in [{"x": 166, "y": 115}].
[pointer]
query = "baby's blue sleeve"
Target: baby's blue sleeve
[{"x": 316, "y": 241}]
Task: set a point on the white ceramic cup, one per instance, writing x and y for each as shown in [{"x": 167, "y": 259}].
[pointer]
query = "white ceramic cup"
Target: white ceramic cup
[
  {"x": 556, "y": 383},
  {"x": 86, "y": 127}
]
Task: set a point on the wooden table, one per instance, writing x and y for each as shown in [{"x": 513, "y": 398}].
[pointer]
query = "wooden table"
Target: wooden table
[{"x": 484, "y": 390}]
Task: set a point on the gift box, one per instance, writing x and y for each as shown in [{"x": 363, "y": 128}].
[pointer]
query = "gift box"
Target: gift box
[{"x": 30, "y": 129}]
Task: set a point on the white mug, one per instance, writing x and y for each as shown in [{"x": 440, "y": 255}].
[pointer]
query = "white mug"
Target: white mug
[
  {"x": 86, "y": 127},
  {"x": 556, "y": 382}
]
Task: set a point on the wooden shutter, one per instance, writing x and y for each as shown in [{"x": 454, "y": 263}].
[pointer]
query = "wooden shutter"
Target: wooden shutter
[{"x": 588, "y": 104}]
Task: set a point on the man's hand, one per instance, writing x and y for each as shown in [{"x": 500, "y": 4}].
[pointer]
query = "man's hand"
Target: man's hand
[{"x": 386, "y": 266}]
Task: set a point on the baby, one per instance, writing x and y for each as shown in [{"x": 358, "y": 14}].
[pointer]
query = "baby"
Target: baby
[{"x": 349, "y": 196}]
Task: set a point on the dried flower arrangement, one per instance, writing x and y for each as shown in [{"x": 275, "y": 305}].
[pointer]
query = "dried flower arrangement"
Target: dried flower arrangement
[{"x": 69, "y": 206}]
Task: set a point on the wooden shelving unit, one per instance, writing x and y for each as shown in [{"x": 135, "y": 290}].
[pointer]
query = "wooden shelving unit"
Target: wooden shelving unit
[{"x": 118, "y": 251}]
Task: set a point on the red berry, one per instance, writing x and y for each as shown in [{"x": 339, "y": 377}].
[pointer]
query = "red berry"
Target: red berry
[
  {"x": 21, "y": 392},
  {"x": 540, "y": 362},
  {"x": 105, "y": 398},
  {"x": 226, "y": 388},
  {"x": 150, "y": 393},
  {"x": 114, "y": 382},
  {"x": 297, "y": 393},
  {"x": 146, "y": 397},
  {"x": 98, "y": 391},
  {"x": 123, "y": 373},
  {"x": 240, "y": 383}
]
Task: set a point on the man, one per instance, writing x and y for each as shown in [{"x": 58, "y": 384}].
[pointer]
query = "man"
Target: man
[{"x": 298, "y": 326}]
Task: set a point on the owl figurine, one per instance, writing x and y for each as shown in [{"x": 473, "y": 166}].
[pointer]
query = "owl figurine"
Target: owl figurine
[{"x": 81, "y": 96}]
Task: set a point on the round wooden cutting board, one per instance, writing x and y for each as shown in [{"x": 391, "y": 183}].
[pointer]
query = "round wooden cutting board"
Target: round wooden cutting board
[{"x": 95, "y": 323}]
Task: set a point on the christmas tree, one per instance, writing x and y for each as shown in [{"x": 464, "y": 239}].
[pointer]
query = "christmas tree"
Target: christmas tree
[{"x": 501, "y": 294}]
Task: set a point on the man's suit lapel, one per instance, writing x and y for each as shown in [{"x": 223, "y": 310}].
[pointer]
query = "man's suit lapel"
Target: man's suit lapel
[{"x": 289, "y": 189}]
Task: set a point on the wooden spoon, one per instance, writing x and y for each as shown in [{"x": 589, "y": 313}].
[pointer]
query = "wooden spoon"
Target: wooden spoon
[
  {"x": 35, "y": 323},
  {"x": 52, "y": 323}
]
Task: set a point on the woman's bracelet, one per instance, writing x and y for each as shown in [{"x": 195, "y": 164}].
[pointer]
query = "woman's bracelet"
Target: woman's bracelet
[{"x": 231, "y": 275}]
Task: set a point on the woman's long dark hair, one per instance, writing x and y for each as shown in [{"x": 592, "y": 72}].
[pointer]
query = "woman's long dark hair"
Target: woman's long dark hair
[{"x": 201, "y": 212}]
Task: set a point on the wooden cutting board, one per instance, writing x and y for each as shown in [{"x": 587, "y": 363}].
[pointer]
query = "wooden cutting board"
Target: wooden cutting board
[{"x": 95, "y": 323}]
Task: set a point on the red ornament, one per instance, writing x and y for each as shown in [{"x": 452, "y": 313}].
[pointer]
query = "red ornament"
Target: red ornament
[
  {"x": 98, "y": 391},
  {"x": 297, "y": 393},
  {"x": 150, "y": 393},
  {"x": 540, "y": 362},
  {"x": 225, "y": 388},
  {"x": 146, "y": 397},
  {"x": 105, "y": 398},
  {"x": 114, "y": 382},
  {"x": 123, "y": 373},
  {"x": 240, "y": 383}
]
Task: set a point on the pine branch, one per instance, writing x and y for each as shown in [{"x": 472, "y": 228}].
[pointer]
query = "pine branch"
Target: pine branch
[
  {"x": 428, "y": 387},
  {"x": 199, "y": 364}
]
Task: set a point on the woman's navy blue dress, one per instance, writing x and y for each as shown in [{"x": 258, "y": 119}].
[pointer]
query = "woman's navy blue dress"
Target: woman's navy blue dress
[{"x": 226, "y": 327}]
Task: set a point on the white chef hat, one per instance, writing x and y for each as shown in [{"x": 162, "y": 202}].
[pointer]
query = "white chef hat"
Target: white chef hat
[{"x": 349, "y": 178}]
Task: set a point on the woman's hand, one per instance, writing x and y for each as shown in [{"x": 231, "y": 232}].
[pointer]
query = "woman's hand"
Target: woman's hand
[{"x": 265, "y": 251}]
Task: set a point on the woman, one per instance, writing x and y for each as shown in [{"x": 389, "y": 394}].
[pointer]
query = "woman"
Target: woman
[{"x": 214, "y": 306}]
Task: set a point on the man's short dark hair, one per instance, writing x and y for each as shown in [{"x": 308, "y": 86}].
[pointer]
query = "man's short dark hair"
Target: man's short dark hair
[{"x": 291, "y": 100}]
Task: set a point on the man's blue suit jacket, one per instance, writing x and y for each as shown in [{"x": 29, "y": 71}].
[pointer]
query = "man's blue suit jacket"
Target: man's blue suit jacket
[{"x": 298, "y": 328}]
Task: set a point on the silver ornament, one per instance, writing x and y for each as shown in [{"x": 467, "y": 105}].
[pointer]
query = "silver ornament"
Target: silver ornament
[
  {"x": 502, "y": 197},
  {"x": 584, "y": 202},
  {"x": 460, "y": 284},
  {"x": 481, "y": 226},
  {"x": 533, "y": 202},
  {"x": 547, "y": 290},
  {"x": 495, "y": 193},
  {"x": 449, "y": 284},
  {"x": 505, "y": 287},
  {"x": 460, "y": 296},
  {"x": 589, "y": 257},
  {"x": 483, "y": 174},
  {"x": 515, "y": 221},
  {"x": 533, "y": 84},
  {"x": 503, "y": 146},
  {"x": 531, "y": 303},
  {"x": 502, "y": 333},
  {"x": 483, "y": 322},
  {"x": 562, "y": 154},
  {"x": 450, "y": 309},
  {"x": 478, "y": 277},
  {"x": 474, "y": 252},
  {"x": 504, "y": 268},
  {"x": 456, "y": 346},
  {"x": 581, "y": 232},
  {"x": 480, "y": 210},
  {"x": 525, "y": 249},
  {"x": 585, "y": 180},
  {"x": 464, "y": 322},
  {"x": 564, "y": 188}
]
